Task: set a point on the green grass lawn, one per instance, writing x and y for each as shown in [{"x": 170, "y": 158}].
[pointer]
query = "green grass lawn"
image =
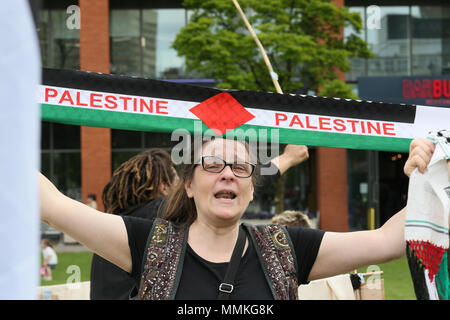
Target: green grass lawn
[
  {"x": 397, "y": 280},
  {"x": 63, "y": 273}
]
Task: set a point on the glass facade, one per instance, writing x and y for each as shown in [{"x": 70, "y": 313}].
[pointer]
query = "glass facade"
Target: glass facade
[
  {"x": 60, "y": 144},
  {"x": 61, "y": 157},
  {"x": 141, "y": 40},
  {"x": 430, "y": 40},
  {"x": 59, "y": 41},
  {"x": 393, "y": 184},
  {"x": 390, "y": 43},
  {"x": 126, "y": 144},
  {"x": 358, "y": 65},
  {"x": 358, "y": 185},
  {"x": 407, "y": 40}
]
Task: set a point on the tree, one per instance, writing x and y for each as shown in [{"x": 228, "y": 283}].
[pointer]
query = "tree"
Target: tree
[{"x": 302, "y": 38}]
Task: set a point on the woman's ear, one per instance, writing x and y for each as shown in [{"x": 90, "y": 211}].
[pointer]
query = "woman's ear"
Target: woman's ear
[{"x": 188, "y": 188}]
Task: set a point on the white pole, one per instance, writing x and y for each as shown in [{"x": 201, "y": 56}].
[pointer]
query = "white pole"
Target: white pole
[{"x": 273, "y": 75}]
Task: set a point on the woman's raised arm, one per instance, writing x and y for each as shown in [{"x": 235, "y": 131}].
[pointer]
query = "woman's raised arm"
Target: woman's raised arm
[
  {"x": 342, "y": 252},
  {"x": 104, "y": 234}
]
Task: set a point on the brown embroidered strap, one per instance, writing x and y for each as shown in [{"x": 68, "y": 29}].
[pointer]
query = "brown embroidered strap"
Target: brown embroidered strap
[
  {"x": 277, "y": 257},
  {"x": 163, "y": 261}
]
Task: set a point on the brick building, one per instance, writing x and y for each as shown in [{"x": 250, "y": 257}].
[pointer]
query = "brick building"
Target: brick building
[{"x": 134, "y": 38}]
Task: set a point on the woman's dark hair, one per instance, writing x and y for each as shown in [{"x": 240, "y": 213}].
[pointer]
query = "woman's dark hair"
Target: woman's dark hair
[
  {"x": 179, "y": 208},
  {"x": 138, "y": 180}
]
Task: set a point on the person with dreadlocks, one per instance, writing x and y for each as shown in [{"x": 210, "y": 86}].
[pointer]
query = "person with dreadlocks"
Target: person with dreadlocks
[{"x": 137, "y": 189}]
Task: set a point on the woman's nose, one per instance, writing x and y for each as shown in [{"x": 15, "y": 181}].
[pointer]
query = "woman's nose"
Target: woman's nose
[{"x": 227, "y": 173}]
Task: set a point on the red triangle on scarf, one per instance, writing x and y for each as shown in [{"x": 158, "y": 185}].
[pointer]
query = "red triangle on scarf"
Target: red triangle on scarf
[
  {"x": 429, "y": 255},
  {"x": 222, "y": 113}
]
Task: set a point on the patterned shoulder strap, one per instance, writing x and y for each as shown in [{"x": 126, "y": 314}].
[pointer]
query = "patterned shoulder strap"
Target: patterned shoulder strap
[
  {"x": 277, "y": 256},
  {"x": 163, "y": 261}
]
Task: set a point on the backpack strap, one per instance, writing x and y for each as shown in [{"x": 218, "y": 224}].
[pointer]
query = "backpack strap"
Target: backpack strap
[
  {"x": 163, "y": 261},
  {"x": 277, "y": 257}
]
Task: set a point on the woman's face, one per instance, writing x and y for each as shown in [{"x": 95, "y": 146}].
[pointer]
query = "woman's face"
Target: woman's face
[{"x": 221, "y": 196}]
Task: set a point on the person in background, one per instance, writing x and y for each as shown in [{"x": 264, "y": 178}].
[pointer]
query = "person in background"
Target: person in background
[
  {"x": 137, "y": 188},
  {"x": 291, "y": 218},
  {"x": 91, "y": 201},
  {"x": 50, "y": 258}
]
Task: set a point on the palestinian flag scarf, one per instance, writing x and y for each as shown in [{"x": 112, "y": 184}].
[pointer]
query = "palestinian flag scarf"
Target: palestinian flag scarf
[
  {"x": 129, "y": 103},
  {"x": 427, "y": 221}
]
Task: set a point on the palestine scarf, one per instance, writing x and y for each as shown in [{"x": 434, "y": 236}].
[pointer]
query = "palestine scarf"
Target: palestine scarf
[
  {"x": 427, "y": 221},
  {"x": 130, "y": 103}
]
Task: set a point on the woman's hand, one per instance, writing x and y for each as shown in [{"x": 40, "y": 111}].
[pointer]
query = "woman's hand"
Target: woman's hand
[
  {"x": 293, "y": 155},
  {"x": 420, "y": 153}
]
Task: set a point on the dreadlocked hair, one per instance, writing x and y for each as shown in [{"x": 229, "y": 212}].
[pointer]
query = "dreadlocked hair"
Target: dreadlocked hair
[{"x": 138, "y": 180}]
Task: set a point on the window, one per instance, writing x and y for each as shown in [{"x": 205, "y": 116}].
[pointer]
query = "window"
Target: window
[
  {"x": 411, "y": 40},
  {"x": 141, "y": 40},
  {"x": 60, "y": 46},
  {"x": 430, "y": 38},
  {"x": 358, "y": 65},
  {"x": 61, "y": 157},
  {"x": 390, "y": 42},
  {"x": 128, "y": 143}
]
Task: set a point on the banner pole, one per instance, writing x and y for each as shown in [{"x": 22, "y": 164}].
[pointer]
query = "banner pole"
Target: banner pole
[{"x": 273, "y": 75}]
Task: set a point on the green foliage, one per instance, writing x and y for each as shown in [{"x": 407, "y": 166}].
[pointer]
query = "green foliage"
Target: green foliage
[
  {"x": 338, "y": 89},
  {"x": 302, "y": 39}
]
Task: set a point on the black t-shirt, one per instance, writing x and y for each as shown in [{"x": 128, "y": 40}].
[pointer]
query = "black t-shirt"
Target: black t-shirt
[
  {"x": 109, "y": 282},
  {"x": 200, "y": 279}
]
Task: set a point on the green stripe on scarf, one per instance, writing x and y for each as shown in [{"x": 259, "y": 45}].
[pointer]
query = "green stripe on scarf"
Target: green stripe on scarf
[{"x": 138, "y": 122}]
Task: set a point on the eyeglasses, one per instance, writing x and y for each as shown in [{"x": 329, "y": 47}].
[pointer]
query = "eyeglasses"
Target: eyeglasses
[{"x": 216, "y": 165}]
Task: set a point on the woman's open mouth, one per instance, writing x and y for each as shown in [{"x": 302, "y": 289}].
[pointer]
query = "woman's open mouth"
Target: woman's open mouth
[{"x": 225, "y": 195}]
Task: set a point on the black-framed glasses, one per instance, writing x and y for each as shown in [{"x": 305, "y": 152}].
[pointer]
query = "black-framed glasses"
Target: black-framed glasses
[{"x": 216, "y": 165}]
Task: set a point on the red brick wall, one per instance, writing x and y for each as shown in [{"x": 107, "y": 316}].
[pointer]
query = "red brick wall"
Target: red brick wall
[
  {"x": 94, "y": 56},
  {"x": 332, "y": 191},
  {"x": 332, "y": 195}
]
